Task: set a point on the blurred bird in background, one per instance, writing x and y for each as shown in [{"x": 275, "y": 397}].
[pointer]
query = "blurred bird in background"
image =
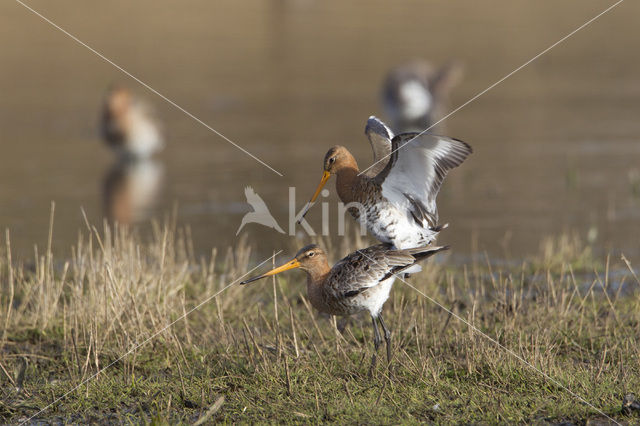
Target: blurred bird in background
[
  {"x": 415, "y": 95},
  {"x": 132, "y": 184},
  {"x": 129, "y": 125}
]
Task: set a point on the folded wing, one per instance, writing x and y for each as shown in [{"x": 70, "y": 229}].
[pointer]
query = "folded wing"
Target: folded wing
[
  {"x": 365, "y": 268},
  {"x": 368, "y": 267}
]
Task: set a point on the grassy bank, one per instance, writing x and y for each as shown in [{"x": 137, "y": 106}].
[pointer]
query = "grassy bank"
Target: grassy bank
[{"x": 72, "y": 326}]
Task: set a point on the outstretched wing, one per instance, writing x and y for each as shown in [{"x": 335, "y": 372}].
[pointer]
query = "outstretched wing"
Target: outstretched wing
[
  {"x": 415, "y": 171},
  {"x": 380, "y": 138}
]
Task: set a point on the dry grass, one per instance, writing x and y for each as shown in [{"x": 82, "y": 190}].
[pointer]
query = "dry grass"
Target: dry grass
[{"x": 260, "y": 353}]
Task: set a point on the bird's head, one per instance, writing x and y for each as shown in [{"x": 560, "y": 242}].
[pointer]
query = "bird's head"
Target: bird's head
[
  {"x": 118, "y": 100},
  {"x": 310, "y": 258},
  {"x": 336, "y": 159}
]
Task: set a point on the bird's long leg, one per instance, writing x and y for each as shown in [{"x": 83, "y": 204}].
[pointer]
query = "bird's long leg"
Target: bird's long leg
[
  {"x": 343, "y": 323},
  {"x": 387, "y": 338},
  {"x": 376, "y": 343}
]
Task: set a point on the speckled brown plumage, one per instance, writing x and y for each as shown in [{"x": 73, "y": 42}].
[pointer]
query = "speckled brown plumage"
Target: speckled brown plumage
[
  {"x": 359, "y": 282},
  {"x": 397, "y": 204}
]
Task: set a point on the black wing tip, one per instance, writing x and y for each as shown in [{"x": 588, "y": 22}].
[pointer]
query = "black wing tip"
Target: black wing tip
[
  {"x": 468, "y": 147},
  {"x": 426, "y": 251},
  {"x": 377, "y": 126},
  {"x": 435, "y": 250},
  {"x": 439, "y": 228}
]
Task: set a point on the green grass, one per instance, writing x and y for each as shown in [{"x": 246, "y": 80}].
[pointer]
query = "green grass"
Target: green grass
[{"x": 261, "y": 354}]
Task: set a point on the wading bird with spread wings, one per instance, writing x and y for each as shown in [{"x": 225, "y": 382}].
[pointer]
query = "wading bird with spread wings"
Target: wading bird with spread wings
[{"x": 396, "y": 197}]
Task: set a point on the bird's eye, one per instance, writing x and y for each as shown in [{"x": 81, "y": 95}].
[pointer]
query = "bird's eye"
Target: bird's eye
[
  {"x": 332, "y": 160},
  {"x": 311, "y": 254}
]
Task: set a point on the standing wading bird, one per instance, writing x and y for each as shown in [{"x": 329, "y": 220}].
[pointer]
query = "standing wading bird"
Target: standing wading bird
[
  {"x": 396, "y": 198},
  {"x": 359, "y": 282},
  {"x": 129, "y": 125}
]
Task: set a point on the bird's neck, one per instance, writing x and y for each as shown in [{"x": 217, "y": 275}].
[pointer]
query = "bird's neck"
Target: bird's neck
[
  {"x": 347, "y": 179},
  {"x": 315, "y": 288}
]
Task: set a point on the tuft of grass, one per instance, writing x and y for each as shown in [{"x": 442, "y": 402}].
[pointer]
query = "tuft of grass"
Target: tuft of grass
[
  {"x": 73, "y": 327},
  {"x": 566, "y": 249}
]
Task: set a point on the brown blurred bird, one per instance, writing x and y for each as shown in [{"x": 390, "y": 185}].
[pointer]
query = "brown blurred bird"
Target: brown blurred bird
[
  {"x": 129, "y": 125},
  {"x": 359, "y": 282}
]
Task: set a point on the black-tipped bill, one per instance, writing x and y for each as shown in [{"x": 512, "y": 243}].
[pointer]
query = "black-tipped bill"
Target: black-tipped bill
[
  {"x": 325, "y": 177},
  {"x": 289, "y": 265}
]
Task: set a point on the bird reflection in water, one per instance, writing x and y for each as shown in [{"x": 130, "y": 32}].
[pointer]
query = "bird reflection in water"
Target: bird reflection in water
[
  {"x": 131, "y": 189},
  {"x": 133, "y": 183}
]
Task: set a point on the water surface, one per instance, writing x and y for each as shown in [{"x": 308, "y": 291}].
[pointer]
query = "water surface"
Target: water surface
[{"x": 556, "y": 145}]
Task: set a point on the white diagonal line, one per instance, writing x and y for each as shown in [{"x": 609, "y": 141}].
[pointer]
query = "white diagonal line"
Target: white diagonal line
[
  {"x": 498, "y": 82},
  {"x": 77, "y": 40},
  {"x": 198, "y": 306},
  {"x": 493, "y": 340},
  {"x": 512, "y": 353}
]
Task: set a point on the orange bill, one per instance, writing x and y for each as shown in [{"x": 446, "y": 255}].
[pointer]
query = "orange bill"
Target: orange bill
[
  {"x": 292, "y": 264},
  {"x": 325, "y": 177}
]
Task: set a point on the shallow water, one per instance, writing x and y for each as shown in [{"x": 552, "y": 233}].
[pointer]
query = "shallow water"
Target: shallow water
[{"x": 556, "y": 145}]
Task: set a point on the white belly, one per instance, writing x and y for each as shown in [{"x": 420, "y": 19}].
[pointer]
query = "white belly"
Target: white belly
[
  {"x": 144, "y": 138},
  {"x": 373, "y": 298},
  {"x": 390, "y": 225}
]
